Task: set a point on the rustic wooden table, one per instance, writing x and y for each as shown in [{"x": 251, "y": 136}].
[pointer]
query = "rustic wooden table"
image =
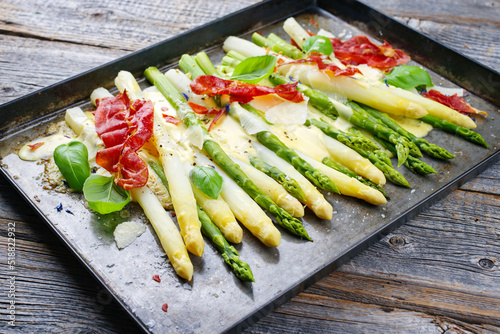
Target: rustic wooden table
[{"x": 439, "y": 273}]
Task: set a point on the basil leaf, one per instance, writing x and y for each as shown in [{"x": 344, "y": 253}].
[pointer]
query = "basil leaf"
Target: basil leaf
[
  {"x": 407, "y": 76},
  {"x": 72, "y": 161},
  {"x": 254, "y": 69},
  {"x": 207, "y": 180},
  {"x": 103, "y": 195},
  {"x": 318, "y": 44}
]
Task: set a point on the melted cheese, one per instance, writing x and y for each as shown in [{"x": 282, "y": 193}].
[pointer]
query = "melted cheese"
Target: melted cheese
[
  {"x": 233, "y": 138},
  {"x": 303, "y": 139},
  {"x": 46, "y": 150},
  {"x": 418, "y": 128}
]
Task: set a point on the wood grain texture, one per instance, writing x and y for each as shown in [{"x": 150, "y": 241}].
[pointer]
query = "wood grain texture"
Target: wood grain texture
[{"x": 438, "y": 273}]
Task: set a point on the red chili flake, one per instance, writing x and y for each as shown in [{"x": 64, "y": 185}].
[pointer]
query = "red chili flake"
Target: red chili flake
[
  {"x": 172, "y": 214},
  {"x": 171, "y": 119},
  {"x": 201, "y": 110},
  {"x": 164, "y": 307},
  {"x": 259, "y": 32},
  {"x": 314, "y": 22},
  {"x": 156, "y": 277},
  {"x": 221, "y": 112},
  {"x": 35, "y": 146}
]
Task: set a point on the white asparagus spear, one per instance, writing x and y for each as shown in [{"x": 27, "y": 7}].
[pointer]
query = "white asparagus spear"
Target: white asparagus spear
[
  {"x": 179, "y": 187},
  {"x": 166, "y": 231},
  {"x": 299, "y": 35},
  {"x": 354, "y": 89},
  {"x": 220, "y": 213}
]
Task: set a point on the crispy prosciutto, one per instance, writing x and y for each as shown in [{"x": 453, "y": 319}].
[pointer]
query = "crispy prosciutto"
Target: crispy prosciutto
[
  {"x": 242, "y": 92},
  {"x": 124, "y": 126},
  {"x": 359, "y": 50},
  {"x": 454, "y": 101},
  {"x": 316, "y": 58}
]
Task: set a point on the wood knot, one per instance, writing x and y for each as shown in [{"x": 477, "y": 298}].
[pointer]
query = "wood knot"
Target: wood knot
[
  {"x": 397, "y": 241},
  {"x": 486, "y": 263}
]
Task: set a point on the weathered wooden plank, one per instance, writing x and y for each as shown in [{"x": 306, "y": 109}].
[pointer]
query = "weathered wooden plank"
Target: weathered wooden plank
[
  {"x": 470, "y": 13},
  {"x": 310, "y": 313},
  {"x": 29, "y": 64},
  {"x": 482, "y": 45},
  {"x": 404, "y": 294},
  {"x": 124, "y": 25}
]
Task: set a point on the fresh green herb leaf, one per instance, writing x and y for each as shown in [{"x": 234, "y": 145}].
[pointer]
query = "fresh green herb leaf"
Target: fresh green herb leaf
[
  {"x": 254, "y": 69},
  {"x": 207, "y": 180},
  {"x": 407, "y": 76},
  {"x": 318, "y": 44},
  {"x": 72, "y": 161},
  {"x": 103, "y": 195}
]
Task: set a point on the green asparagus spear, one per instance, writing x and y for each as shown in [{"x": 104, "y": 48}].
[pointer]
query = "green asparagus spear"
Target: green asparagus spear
[
  {"x": 415, "y": 165},
  {"x": 158, "y": 169},
  {"x": 347, "y": 139},
  {"x": 205, "y": 64},
  {"x": 344, "y": 170},
  {"x": 220, "y": 157},
  {"x": 431, "y": 149},
  {"x": 402, "y": 144},
  {"x": 278, "y": 45},
  {"x": 281, "y": 46},
  {"x": 378, "y": 152},
  {"x": 230, "y": 61},
  {"x": 236, "y": 55},
  {"x": 229, "y": 253},
  {"x": 273, "y": 143},
  {"x": 261, "y": 40},
  {"x": 188, "y": 64},
  {"x": 290, "y": 185},
  {"x": 447, "y": 126}
]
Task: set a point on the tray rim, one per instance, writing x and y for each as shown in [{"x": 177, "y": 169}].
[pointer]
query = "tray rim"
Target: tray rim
[{"x": 314, "y": 6}]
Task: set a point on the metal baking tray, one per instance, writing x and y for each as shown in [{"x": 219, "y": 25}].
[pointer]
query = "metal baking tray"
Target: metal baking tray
[{"x": 215, "y": 301}]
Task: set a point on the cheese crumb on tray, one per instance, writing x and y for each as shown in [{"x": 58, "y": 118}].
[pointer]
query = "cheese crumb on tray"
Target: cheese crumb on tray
[{"x": 127, "y": 232}]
